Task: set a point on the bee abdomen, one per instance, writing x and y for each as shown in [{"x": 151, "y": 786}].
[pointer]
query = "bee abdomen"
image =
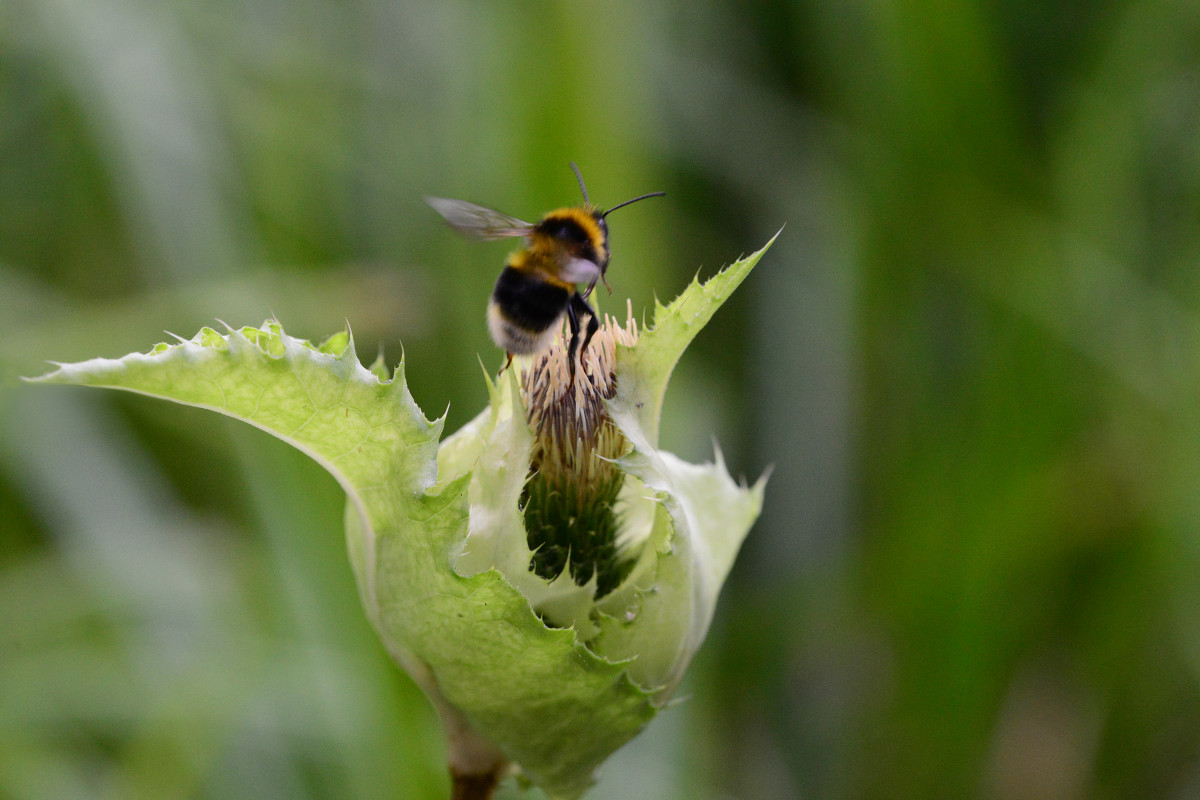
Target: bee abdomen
[{"x": 524, "y": 311}]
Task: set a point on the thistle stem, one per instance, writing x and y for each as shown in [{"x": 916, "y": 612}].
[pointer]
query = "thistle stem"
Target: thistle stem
[
  {"x": 475, "y": 763},
  {"x": 474, "y": 787}
]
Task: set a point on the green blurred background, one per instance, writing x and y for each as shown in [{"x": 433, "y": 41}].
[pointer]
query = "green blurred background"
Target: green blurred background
[{"x": 972, "y": 358}]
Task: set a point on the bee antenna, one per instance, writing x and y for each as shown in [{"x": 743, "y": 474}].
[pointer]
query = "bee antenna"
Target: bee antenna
[
  {"x": 634, "y": 200},
  {"x": 579, "y": 176}
]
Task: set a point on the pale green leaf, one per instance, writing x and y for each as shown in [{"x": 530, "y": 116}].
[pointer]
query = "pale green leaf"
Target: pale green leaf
[{"x": 474, "y": 643}]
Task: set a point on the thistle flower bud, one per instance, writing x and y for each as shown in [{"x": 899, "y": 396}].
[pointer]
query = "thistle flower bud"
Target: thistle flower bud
[{"x": 569, "y": 502}]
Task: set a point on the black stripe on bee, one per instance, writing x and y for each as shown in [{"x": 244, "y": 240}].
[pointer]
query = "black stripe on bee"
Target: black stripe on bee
[{"x": 529, "y": 301}]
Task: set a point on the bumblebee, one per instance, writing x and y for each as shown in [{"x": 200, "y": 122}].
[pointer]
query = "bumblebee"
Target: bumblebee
[{"x": 539, "y": 282}]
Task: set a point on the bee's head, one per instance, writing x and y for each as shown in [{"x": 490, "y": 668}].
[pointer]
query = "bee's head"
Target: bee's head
[
  {"x": 580, "y": 233},
  {"x": 575, "y": 239}
]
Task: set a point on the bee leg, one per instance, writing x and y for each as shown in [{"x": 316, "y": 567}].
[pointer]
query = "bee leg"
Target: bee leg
[
  {"x": 593, "y": 326},
  {"x": 573, "y": 324},
  {"x": 580, "y": 306},
  {"x": 507, "y": 364},
  {"x": 604, "y": 278},
  {"x": 588, "y": 291}
]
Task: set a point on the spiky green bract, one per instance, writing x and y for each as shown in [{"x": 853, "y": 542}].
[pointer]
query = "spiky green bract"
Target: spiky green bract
[
  {"x": 661, "y": 612},
  {"x": 644, "y": 370},
  {"x": 537, "y": 670}
]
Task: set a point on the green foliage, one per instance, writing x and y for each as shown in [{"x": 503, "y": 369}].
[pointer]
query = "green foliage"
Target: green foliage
[{"x": 972, "y": 362}]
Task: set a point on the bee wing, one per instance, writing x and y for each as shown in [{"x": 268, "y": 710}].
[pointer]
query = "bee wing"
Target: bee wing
[{"x": 478, "y": 222}]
